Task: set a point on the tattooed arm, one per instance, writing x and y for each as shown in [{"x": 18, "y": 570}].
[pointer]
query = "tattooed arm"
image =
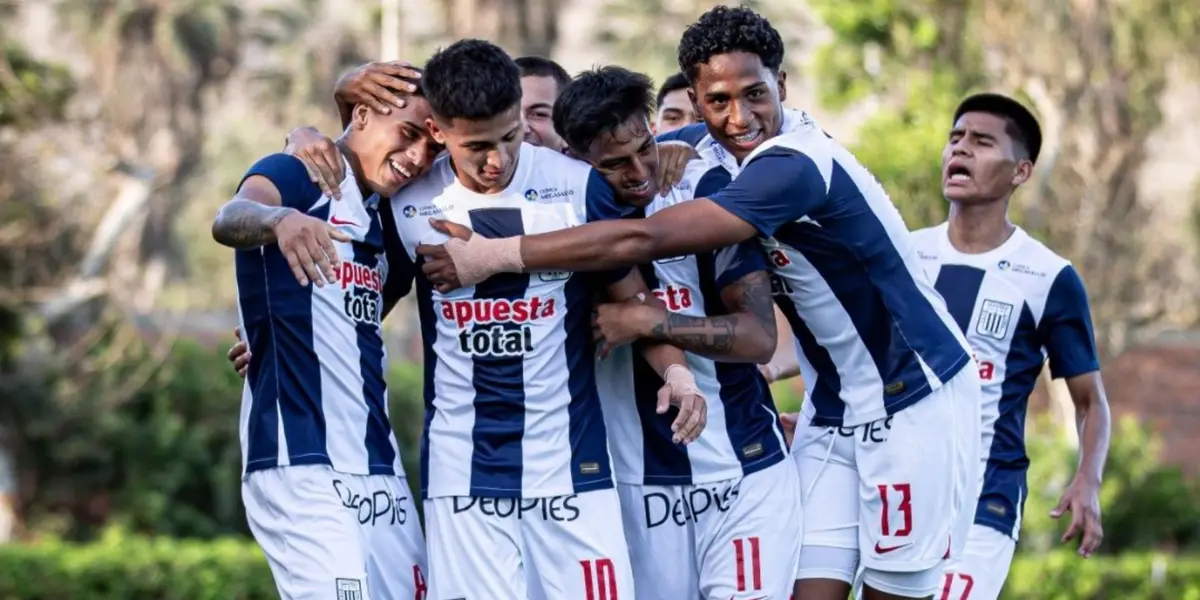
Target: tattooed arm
[
  {"x": 745, "y": 333},
  {"x": 269, "y": 208}
]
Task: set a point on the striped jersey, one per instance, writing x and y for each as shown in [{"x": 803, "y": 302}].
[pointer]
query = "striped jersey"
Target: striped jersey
[
  {"x": 1018, "y": 305},
  {"x": 511, "y": 408},
  {"x": 315, "y": 390},
  {"x": 742, "y": 435},
  {"x": 872, "y": 334}
]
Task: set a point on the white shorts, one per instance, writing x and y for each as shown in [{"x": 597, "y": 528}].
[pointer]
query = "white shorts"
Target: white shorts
[
  {"x": 900, "y": 491},
  {"x": 979, "y": 573},
  {"x": 324, "y": 531},
  {"x": 726, "y": 539},
  {"x": 536, "y": 548}
]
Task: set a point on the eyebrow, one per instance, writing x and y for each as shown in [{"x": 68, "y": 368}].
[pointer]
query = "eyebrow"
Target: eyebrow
[{"x": 539, "y": 105}]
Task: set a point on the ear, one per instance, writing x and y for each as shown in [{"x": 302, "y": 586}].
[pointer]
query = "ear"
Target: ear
[
  {"x": 435, "y": 132},
  {"x": 359, "y": 116},
  {"x": 781, "y": 81},
  {"x": 1022, "y": 173}
]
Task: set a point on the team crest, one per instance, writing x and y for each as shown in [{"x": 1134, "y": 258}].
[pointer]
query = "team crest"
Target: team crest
[
  {"x": 349, "y": 589},
  {"x": 993, "y": 319}
]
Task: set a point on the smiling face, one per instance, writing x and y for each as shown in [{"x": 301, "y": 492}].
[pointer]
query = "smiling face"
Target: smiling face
[
  {"x": 627, "y": 157},
  {"x": 740, "y": 100},
  {"x": 981, "y": 161},
  {"x": 484, "y": 151},
  {"x": 537, "y": 107},
  {"x": 675, "y": 111},
  {"x": 393, "y": 149}
]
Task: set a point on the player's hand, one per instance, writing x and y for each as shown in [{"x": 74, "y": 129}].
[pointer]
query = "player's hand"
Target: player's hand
[
  {"x": 788, "y": 422},
  {"x": 307, "y": 243},
  {"x": 673, "y": 158},
  {"x": 621, "y": 323},
  {"x": 239, "y": 354},
  {"x": 320, "y": 156},
  {"x": 1082, "y": 500},
  {"x": 680, "y": 391},
  {"x": 439, "y": 266},
  {"x": 378, "y": 85}
]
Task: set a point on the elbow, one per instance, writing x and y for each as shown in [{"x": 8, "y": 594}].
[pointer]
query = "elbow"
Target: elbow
[{"x": 762, "y": 349}]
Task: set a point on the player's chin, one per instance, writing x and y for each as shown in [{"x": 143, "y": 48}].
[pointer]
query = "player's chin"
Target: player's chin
[{"x": 959, "y": 193}]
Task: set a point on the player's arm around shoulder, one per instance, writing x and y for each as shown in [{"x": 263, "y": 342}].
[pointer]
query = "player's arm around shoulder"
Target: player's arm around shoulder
[
  {"x": 669, "y": 362},
  {"x": 269, "y": 207}
]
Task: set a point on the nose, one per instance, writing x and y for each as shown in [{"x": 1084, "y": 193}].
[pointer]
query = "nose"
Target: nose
[
  {"x": 497, "y": 159},
  {"x": 739, "y": 114},
  {"x": 419, "y": 154},
  {"x": 638, "y": 171}
]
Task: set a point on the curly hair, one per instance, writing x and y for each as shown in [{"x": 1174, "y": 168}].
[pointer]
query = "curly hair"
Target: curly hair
[
  {"x": 600, "y": 101},
  {"x": 471, "y": 79},
  {"x": 725, "y": 29}
]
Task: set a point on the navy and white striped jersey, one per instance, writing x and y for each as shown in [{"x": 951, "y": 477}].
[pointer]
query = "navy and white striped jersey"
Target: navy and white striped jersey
[
  {"x": 315, "y": 390},
  {"x": 1018, "y": 305},
  {"x": 742, "y": 435},
  {"x": 511, "y": 408},
  {"x": 873, "y": 337}
]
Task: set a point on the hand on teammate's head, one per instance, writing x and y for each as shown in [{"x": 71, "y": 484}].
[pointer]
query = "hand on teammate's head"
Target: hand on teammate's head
[{"x": 380, "y": 85}]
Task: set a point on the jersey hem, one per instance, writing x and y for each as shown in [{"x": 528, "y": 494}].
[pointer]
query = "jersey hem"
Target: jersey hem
[
  {"x": 739, "y": 472},
  {"x": 264, "y": 464},
  {"x": 1006, "y": 529},
  {"x": 897, "y": 404},
  {"x": 471, "y": 492}
]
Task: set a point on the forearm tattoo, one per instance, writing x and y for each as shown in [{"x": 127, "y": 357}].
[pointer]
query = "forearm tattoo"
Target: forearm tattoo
[
  {"x": 247, "y": 224},
  {"x": 717, "y": 335}
]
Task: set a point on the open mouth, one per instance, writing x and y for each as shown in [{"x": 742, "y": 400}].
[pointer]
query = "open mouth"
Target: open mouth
[
  {"x": 747, "y": 138},
  {"x": 956, "y": 172},
  {"x": 399, "y": 169},
  {"x": 639, "y": 189}
]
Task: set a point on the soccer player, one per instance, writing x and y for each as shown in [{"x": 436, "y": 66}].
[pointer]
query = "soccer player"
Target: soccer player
[
  {"x": 889, "y": 449},
  {"x": 1018, "y": 303},
  {"x": 541, "y": 81},
  {"x": 519, "y": 491},
  {"x": 324, "y": 490},
  {"x": 675, "y": 109},
  {"x": 726, "y": 508}
]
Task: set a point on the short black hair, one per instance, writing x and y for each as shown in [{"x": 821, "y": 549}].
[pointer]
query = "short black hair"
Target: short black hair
[
  {"x": 1020, "y": 124},
  {"x": 471, "y": 79},
  {"x": 673, "y": 83},
  {"x": 600, "y": 101},
  {"x": 723, "y": 30},
  {"x": 540, "y": 66}
]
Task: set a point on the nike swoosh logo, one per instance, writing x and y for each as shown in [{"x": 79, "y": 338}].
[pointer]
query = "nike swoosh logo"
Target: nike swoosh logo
[
  {"x": 885, "y": 549},
  {"x": 337, "y": 221},
  {"x": 734, "y": 597}
]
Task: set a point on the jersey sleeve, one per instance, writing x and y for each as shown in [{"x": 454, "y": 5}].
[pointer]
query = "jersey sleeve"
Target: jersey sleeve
[
  {"x": 735, "y": 262},
  {"x": 1066, "y": 327},
  {"x": 692, "y": 135},
  {"x": 296, "y": 189},
  {"x": 776, "y": 187},
  {"x": 402, "y": 271},
  {"x": 600, "y": 202}
]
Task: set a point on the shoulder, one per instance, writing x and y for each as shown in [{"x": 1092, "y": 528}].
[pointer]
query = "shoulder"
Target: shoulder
[
  {"x": 1034, "y": 264},
  {"x": 290, "y": 178},
  {"x": 428, "y": 186},
  {"x": 927, "y": 237},
  {"x": 691, "y": 135}
]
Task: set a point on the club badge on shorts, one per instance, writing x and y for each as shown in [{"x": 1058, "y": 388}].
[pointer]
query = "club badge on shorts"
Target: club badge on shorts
[{"x": 349, "y": 589}]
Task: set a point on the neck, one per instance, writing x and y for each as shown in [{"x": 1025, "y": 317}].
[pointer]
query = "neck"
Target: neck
[
  {"x": 979, "y": 228},
  {"x": 344, "y": 144}
]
